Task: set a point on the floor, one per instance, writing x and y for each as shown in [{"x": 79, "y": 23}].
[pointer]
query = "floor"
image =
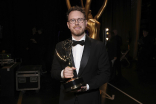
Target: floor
[
  {"x": 125, "y": 90},
  {"x": 131, "y": 90}
]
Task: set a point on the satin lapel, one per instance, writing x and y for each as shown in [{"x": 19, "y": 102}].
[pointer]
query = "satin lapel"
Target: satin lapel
[
  {"x": 85, "y": 56},
  {"x": 73, "y": 64}
]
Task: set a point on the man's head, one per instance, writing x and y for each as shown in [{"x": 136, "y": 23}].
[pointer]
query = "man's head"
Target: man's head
[
  {"x": 115, "y": 32},
  {"x": 145, "y": 32},
  {"x": 76, "y": 8},
  {"x": 76, "y": 21},
  {"x": 34, "y": 30},
  {"x": 40, "y": 30},
  {"x": 111, "y": 34}
]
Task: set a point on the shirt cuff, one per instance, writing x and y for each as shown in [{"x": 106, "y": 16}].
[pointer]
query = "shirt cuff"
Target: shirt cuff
[
  {"x": 87, "y": 87},
  {"x": 62, "y": 76}
]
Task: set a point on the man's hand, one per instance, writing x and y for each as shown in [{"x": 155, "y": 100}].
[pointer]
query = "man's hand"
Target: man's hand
[
  {"x": 83, "y": 89},
  {"x": 113, "y": 60},
  {"x": 33, "y": 40},
  {"x": 68, "y": 72}
]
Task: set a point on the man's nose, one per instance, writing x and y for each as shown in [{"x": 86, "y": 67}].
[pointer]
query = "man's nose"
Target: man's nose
[{"x": 76, "y": 22}]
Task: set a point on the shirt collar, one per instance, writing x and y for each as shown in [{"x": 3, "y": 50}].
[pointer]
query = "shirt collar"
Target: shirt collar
[{"x": 83, "y": 38}]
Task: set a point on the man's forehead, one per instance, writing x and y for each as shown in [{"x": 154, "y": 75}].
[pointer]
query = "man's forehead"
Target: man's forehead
[{"x": 76, "y": 14}]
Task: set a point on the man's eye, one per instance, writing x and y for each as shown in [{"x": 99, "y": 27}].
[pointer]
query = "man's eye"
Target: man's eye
[
  {"x": 72, "y": 20},
  {"x": 80, "y": 19}
]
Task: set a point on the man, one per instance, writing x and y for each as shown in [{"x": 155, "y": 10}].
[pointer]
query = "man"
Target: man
[
  {"x": 145, "y": 55},
  {"x": 90, "y": 62},
  {"x": 117, "y": 63},
  {"x": 111, "y": 47}
]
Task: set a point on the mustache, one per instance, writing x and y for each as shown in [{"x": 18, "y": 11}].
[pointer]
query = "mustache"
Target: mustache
[{"x": 77, "y": 26}]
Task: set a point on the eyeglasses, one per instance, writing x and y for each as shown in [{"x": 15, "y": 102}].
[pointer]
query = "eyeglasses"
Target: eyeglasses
[{"x": 79, "y": 20}]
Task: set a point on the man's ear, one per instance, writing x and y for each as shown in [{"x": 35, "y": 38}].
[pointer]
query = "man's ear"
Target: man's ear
[
  {"x": 68, "y": 24},
  {"x": 86, "y": 22}
]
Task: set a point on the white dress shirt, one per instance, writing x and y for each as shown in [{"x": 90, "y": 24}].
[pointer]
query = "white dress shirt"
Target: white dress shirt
[{"x": 77, "y": 54}]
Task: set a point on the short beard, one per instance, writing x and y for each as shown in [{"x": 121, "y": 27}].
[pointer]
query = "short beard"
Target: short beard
[{"x": 79, "y": 34}]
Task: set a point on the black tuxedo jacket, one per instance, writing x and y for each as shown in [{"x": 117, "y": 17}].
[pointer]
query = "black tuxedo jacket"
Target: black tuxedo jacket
[{"x": 94, "y": 69}]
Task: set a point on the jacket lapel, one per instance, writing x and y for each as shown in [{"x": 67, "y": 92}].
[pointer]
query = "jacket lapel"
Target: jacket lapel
[
  {"x": 85, "y": 56},
  {"x": 73, "y": 64}
]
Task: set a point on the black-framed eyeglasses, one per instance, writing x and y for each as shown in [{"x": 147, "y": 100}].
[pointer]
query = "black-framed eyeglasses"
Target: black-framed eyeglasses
[{"x": 79, "y": 20}]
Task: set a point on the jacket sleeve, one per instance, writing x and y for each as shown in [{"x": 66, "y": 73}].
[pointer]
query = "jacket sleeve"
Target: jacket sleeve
[
  {"x": 56, "y": 67},
  {"x": 103, "y": 70}
]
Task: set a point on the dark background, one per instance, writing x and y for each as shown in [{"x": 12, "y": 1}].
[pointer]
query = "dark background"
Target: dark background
[{"x": 18, "y": 17}]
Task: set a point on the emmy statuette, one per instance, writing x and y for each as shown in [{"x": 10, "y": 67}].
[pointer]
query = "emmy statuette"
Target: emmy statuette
[{"x": 72, "y": 84}]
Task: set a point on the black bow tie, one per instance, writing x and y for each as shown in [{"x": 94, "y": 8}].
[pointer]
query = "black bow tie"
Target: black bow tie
[{"x": 82, "y": 42}]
